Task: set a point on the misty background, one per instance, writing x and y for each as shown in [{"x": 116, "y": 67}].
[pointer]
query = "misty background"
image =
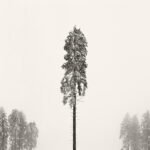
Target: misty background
[{"x": 32, "y": 34}]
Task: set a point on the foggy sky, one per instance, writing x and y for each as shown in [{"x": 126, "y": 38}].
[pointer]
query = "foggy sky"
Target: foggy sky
[{"x": 32, "y": 34}]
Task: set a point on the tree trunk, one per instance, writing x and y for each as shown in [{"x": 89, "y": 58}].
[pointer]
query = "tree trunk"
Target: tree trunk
[{"x": 74, "y": 125}]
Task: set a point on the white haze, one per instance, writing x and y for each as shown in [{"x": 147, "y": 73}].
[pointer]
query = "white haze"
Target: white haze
[{"x": 32, "y": 34}]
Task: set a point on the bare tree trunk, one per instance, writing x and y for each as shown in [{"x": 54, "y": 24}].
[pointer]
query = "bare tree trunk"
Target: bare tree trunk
[{"x": 74, "y": 125}]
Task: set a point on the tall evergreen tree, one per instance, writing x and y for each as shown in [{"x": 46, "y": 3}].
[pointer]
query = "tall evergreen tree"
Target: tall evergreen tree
[
  {"x": 3, "y": 130},
  {"x": 145, "y": 129},
  {"x": 74, "y": 82}
]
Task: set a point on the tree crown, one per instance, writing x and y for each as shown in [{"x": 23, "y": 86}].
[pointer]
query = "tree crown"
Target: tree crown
[{"x": 74, "y": 81}]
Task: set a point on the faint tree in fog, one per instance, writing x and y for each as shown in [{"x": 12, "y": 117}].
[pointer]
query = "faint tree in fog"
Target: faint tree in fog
[
  {"x": 125, "y": 131},
  {"x": 135, "y": 137},
  {"x": 17, "y": 128},
  {"x": 145, "y": 129},
  {"x": 31, "y": 136},
  {"x": 3, "y": 130},
  {"x": 13, "y": 129},
  {"x": 74, "y": 81},
  {"x": 22, "y": 130},
  {"x": 130, "y": 133}
]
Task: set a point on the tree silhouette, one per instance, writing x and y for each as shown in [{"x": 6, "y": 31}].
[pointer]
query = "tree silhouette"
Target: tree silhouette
[
  {"x": 31, "y": 136},
  {"x": 74, "y": 81},
  {"x": 13, "y": 129},
  {"x": 17, "y": 130},
  {"x": 3, "y": 130},
  {"x": 135, "y": 134},
  {"x": 130, "y": 133},
  {"x": 125, "y": 132},
  {"x": 145, "y": 127},
  {"x": 22, "y": 130}
]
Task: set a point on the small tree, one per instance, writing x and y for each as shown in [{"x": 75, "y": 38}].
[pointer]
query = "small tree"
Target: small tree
[
  {"x": 3, "y": 130},
  {"x": 135, "y": 136},
  {"x": 74, "y": 81},
  {"x": 17, "y": 129},
  {"x": 125, "y": 132},
  {"x": 145, "y": 127},
  {"x": 22, "y": 130},
  {"x": 130, "y": 133},
  {"x": 13, "y": 120},
  {"x": 31, "y": 136}
]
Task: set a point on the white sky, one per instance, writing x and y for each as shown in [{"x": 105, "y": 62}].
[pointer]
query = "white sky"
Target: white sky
[{"x": 32, "y": 34}]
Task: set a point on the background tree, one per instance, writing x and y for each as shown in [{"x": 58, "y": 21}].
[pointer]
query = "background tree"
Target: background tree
[
  {"x": 130, "y": 133},
  {"x": 31, "y": 136},
  {"x": 145, "y": 129},
  {"x": 135, "y": 136},
  {"x": 74, "y": 81},
  {"x": 13, "y": 120},
  {"x": 17, "y": 128},
  {"x": 125, "y": 132},
  {"x": 22, "y": 130},
  {"x": 3, "y": 130}
]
